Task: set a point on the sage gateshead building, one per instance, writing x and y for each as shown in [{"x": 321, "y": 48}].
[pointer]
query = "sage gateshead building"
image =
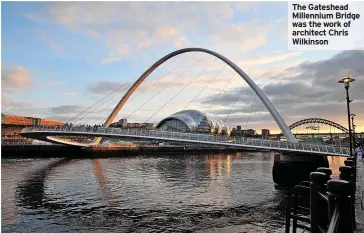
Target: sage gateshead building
[{"x": 193, "y": 121}]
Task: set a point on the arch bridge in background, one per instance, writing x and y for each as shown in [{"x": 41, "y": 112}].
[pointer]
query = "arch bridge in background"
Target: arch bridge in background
[
  {"x": 320, "y": 121},
  {"x": 273, "y": 111}
]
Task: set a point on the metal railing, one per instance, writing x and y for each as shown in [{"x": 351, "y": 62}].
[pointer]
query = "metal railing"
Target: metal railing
[
  {"x": 30, "y": 142},
  {"x": 195, "y": 137},
  {"x": 330, "y": 203}
]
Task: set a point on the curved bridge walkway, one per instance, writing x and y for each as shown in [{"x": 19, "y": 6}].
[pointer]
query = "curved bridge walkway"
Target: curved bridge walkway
[{"x": 206, "y": 139}]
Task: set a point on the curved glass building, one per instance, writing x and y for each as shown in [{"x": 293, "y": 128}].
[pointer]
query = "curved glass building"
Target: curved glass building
[{"x": 193, "y": 121}]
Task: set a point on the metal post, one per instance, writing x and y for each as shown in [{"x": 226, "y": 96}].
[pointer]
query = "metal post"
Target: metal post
[
  {"x": 325, "y": 170},
  {"x": 347, "y": 174},
  {"x": 339, "y": 197},
  {"x": 349, "y": 123},
  {"x": 353, "y": 125},
  {"x": 318, "y": 181}
]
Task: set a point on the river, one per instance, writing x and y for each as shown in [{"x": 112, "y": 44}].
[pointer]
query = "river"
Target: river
[{"x": 165, "y": 193}]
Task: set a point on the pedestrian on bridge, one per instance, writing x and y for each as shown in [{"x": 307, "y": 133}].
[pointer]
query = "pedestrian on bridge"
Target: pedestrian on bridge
[{"x": 359, "y": 153}]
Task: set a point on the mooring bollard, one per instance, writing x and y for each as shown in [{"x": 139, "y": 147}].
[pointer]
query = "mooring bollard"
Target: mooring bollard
[
  {"x": 325, "y": 170},
  {"x": 347, "y": 174},
  {"x": 339, "y": 197},
  {"x": 317, "y": 204}
]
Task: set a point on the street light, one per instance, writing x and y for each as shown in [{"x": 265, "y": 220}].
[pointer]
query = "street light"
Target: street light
[
  {"x": 347, "y": 80},
  {"x": 352, "y": 123}
]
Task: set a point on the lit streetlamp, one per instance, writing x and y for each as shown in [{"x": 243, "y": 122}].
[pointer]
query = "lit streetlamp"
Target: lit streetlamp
[{"x": 347, "y": 80}]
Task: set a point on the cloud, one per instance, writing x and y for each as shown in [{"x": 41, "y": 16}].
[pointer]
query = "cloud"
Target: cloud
[
  {"x": 110, "y": 59},
  {"x": 272, "y": 58},
  {"x": 66, "y": 109},
  {"x": 146, "y": 25},
  {"x": 121, "y": 50},
  {"x": 244, "y": 36},
  {"x": 16, "y": 77},
  {"x": 312, "y": 92},
  {"x": 9, "y": 104},
  {"x": 105, "y": 87}
]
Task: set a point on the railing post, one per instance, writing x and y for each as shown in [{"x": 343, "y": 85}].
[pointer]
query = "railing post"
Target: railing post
[
  {"x": 318, "y": 181},
  {"x": 346, "y": 173},
  {"x": 339, "y": 196},
  {"x": 349, "y": 163},
  {"x": 325, "y": 170}
]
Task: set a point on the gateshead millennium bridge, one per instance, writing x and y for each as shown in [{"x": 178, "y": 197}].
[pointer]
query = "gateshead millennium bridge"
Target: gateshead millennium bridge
[{"x": 50, "y": 134}]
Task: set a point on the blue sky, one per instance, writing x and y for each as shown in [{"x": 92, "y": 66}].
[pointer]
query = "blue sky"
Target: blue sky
[{"x": 54, "y": 54}]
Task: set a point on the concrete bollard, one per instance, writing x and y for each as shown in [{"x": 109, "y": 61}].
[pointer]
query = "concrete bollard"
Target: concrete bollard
[
  {"x": 339, "y": 196},
  {"x": 317, "y": 204}
]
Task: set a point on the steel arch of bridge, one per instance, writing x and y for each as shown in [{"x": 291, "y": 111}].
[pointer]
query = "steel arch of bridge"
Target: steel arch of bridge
[
  {"x": 273, "y": 111},
  {"x": 319, "y": 120}
]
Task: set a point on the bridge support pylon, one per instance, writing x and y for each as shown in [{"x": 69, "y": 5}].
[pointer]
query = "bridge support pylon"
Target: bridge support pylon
[{"x": 291, "y": 168}]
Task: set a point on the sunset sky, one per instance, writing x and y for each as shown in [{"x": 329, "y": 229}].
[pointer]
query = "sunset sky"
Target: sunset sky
[{"x": 60, "y": 57}]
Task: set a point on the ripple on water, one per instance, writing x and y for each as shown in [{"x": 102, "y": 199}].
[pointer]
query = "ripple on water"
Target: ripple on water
[{"x": 179, "y": 193}]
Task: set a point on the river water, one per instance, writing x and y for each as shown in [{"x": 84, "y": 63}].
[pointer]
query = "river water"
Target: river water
[{"x": 165, "y": 193}]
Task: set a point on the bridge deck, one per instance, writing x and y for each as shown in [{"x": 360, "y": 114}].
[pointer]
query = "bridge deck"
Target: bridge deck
[{"x": 40, "y": 132}]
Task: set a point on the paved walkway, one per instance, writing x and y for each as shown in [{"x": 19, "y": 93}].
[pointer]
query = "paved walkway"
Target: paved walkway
[{"x": 359, "y": 199}]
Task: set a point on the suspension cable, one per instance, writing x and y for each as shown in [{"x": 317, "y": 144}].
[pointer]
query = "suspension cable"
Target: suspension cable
[
  {"x": 237, "y": 97},
  {"x": 82, "y": 112},
  {"x": 97, "y": 104},
  {"x": 105, "y": 107},
  {"x": 95, "y": 113},
  {"x": 182, "y": 89},
  {"x": 163, "y": 88},
  {"x": 79, "y": 116},
  {"x": 251, "y": 109},
  {"x": 157, "y": 80},
  {"x": 221, "y": 92},
  {"x": 204, "y": 87}
]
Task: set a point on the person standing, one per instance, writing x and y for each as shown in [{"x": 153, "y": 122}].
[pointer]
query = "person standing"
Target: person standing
[{"x": 359, "y": 153}]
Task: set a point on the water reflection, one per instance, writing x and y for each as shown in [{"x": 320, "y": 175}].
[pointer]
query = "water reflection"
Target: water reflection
[
  {"x": 169, "y": 193},
  {"x": 219, "y": 163},
  {"x": 30, "y": 192},
  {"x": 335, "y": 162}
]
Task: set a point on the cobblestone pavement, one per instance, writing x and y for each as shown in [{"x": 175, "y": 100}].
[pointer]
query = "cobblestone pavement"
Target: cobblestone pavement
[{"x": 359, "y": 199}]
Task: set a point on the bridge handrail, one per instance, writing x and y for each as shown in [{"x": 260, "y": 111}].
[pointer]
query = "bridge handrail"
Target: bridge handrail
[{"x": 194, "y": 136}]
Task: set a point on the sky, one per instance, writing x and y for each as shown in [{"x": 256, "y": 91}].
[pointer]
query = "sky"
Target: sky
[{"x": 58, "y": 58}]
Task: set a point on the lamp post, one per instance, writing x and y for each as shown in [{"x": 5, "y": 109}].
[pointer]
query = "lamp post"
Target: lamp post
[
  {"x": 353, "y": 125},
  {"x": 347, "y": 80}
]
